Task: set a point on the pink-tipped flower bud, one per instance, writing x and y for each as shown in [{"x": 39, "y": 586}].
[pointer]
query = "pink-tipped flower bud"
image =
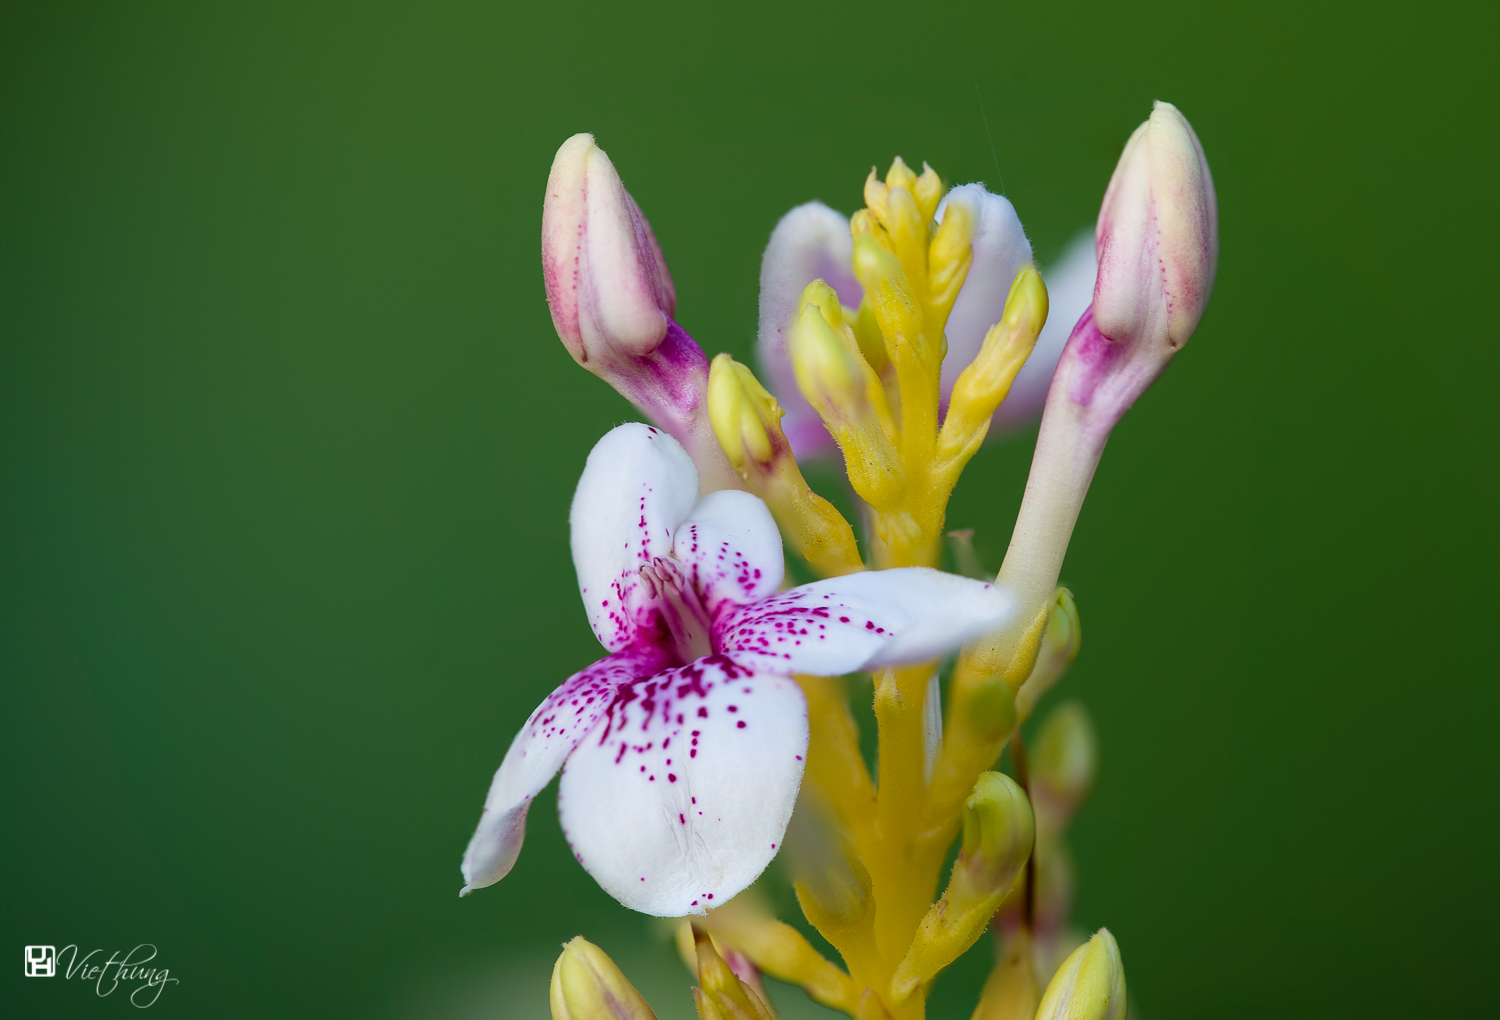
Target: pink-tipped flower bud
[
  {"x": 1157, "y": 237},
  {"x": 607, "y": 282},
  {"x": 1158, "y": 246},
  {"x": 613, "y": 302}
]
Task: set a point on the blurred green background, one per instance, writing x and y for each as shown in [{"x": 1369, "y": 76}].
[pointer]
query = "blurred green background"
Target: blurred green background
[{"x": 287, "y": 442}]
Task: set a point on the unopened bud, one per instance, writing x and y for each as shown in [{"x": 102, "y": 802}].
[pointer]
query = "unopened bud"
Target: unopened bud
[
  {"x": 607, "y": 283},
  {"x": 999, "y": 833},
  {"x": 826, "y": 372},
  {"x": 1157, "y": 238},
  {"x": 1064, "y": 763},
  {"x": 612, "y": 301},
  {"x": 1061, "y": 639},
  {"x": 1090, "y": 984},
  {"x": 721, "y": 994},
  {"x": 586, "y": 985},
  {"x": 985, "y": 382},
  {"x": 1011, "y": 991},
  {"x": 741, "y": 411},
  {"x": 886, "y": 288},
  {"x": 928, "y": 191}
]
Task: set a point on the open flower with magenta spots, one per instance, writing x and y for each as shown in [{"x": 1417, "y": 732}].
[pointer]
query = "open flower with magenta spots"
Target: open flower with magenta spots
[{"x": 682, "y": 750}]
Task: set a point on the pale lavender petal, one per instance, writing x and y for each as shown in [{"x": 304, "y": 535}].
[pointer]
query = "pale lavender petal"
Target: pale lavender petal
[
  {"x": 810, "y": 243},
  {"x": 639, "y": 484},
  {"x": 1070, "y": 288},
  {"x": 682, "y": 797},
  {"x": 862, "y": 621},
  {"x": 538, "y": 751},
  {"x": 1000, "y": 250},
  {"x": 731, "y": 550}
]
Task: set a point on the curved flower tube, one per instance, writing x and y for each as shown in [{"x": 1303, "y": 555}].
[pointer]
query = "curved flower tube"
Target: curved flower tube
[
  {"x": 682, "y": 750},
  {"x": 813, "y": 242}
]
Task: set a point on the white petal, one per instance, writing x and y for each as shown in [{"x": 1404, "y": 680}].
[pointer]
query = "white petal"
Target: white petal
[
  {"x": 638, "y": 486},
  {"x": 1000, "y": 250},
  {"x": 862, "y": 621},
  {"x": 537, "y": 752},
  {"x": 730, "y": 549},
  {"x": 1070, "y": 288},
  {"x": 810, "y": 243},
  {"x": 683, "y": 800}
]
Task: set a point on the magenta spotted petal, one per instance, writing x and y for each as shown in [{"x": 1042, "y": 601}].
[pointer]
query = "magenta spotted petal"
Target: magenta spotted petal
[{"x": 684, "y": 748}]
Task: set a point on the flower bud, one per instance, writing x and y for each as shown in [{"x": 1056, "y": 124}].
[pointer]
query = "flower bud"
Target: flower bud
[
  {"x": 1060, "y": 642},
  {"x": 586, "y": 985},
  {"x": 998, "y": 836},
  {"x": 612, "y": 302},
  {"x": 607, "y": 283},
  {"x": 1011, "y": 991},
  {"x": 985, "y": 381},
  {"x": 741, "y": 412},
  {"x": 721, "y": 994},
  {"x": 747, "y": 423},
  {"x": 1090, "y": 984},
  {"x": 1064, "y": 763},
  {"x": 1157, "y": 237},
  {"x": 826, "y": 370}
]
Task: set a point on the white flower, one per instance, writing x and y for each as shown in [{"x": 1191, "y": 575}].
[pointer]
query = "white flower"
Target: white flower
[
  {"x": 812, "y": 242},
  {"x": 682, "y": 750}
]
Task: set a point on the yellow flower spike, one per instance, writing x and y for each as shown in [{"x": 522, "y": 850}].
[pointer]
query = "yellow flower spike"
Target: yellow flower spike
[
  {"x": 1061, "y": 640},
  {"x": 999, "y": 832},
  {"x": 928, "y": 191},
  {"x": 720, "y": 994},
  {"x": 1011, "y": 992},
  {"x": 949, "y": 256},
  {"x": 1090, "y": 984},
  {"x": 777, "y": 949},
  {"x": 586, "y": 985},
  {"x": 747, "y": 423},
  {"x": 985, "y": 382},
  {"x": 1064, "y": 764}
]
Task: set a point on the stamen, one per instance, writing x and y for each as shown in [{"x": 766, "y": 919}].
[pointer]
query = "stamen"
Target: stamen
[{"x": 679, "y": 606}]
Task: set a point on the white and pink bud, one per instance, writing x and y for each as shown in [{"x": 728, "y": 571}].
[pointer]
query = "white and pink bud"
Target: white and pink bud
[
  {"x": 1158, "y": 246},
  {"x": 1157, "y": 241},
  {"x": 613, "y": 302},
  {"x": 607, "y": 283}
]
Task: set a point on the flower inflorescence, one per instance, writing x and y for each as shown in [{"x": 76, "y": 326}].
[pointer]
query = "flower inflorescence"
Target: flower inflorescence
[{"x": 898, "y": 338}]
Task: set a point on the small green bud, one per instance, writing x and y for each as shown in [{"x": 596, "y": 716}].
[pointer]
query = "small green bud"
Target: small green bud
[
  {"x": 1064, "y": 765},
  {"x": 998, "y": 835},
  {"x": 1090, "y": 984},
  {"x": 1060, "y": 643}
]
